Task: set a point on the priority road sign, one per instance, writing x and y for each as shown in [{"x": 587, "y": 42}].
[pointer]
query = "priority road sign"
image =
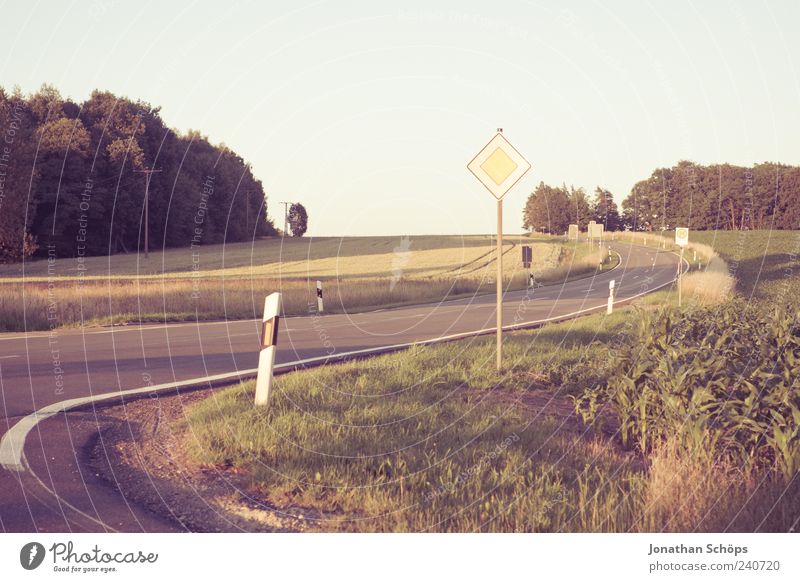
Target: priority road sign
[
  {"x": 681, "y": 236},
  {"x": 498, "y": 166}
]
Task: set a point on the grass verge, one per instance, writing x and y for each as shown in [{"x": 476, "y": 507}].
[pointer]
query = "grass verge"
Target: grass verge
[{"x": 433, "y": 440}]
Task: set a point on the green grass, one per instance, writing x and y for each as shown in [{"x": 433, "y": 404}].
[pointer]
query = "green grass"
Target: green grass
[
  {"x": 424, "y": 440},
  {"x": 433, "y": 440}
]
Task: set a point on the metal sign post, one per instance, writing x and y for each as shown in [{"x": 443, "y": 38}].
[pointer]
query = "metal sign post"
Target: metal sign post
[
  {"x": 498, "y": 166},
  {"x": 269, "y": 344},
  {"x": 319, "y": 297},
  {"x": 681, "y": 239}
]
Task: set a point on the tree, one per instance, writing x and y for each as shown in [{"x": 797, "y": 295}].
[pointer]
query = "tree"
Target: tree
[
  {"x": 71, "y": 180},
  {"x": 605, "y": 210},
  {"x": 547, "y": 210},
  {"x": 580, "y": 209},
  {"x": 18, "y": 178},
  {"x": 298, "y": 219}
]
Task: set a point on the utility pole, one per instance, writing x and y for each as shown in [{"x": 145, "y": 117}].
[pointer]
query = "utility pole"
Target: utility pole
[
  {"x": 147, "y": 172},
  {"x": 285, "y": 217}
]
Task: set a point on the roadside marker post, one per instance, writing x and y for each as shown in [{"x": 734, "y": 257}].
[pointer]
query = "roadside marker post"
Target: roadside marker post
[
  {"x": 610, "y": 307},
  {"x": 498, "y": 166},
  {"x": 319, "y": 297},
  {"x": 681, "y": 239},
  {"x": 269, "y": 344}
]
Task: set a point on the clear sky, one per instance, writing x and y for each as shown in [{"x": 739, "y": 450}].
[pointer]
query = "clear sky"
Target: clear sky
[{"x": 368, "y": 112}]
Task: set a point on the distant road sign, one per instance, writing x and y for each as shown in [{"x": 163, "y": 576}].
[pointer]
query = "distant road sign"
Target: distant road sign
[
  {"x": 498, "y": 166},
  {"x": 681, "y": 236},
  {"x": 572, "y": 234},
  {"x": 527, "y": 257}
]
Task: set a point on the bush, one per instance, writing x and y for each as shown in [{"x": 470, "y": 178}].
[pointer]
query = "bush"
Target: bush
[{"x": 722, "y": 379}]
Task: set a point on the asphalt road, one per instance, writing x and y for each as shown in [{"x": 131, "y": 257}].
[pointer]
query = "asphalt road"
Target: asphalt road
[{"x": 38, "y": 369}]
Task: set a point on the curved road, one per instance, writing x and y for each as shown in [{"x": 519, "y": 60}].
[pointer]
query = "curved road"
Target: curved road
[{"x": 42, "y": 369}]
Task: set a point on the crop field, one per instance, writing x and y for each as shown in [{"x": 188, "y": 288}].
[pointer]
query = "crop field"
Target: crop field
[
  {"x": 652, "y": 419},
  {"x": 360, "y": 257},
  {"x": 230, "y": 281}
]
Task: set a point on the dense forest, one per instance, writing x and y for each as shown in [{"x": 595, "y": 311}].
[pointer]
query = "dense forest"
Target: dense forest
[
  {"x": 723, "y": 197},
  {"x": 73, "y": 178}
]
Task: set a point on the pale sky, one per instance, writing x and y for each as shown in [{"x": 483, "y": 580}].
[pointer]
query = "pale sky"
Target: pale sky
[{"x": 368, "y": 112}]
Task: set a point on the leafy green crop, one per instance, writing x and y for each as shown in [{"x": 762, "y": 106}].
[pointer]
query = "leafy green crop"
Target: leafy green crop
[{"x": 724, "y": 379}]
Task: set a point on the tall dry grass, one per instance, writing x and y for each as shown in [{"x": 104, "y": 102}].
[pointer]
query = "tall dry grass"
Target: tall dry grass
[
  {"x": 708, "y": 281},
  {"x": 697, "y": 492},
  {"x": 41, "y": 305}
]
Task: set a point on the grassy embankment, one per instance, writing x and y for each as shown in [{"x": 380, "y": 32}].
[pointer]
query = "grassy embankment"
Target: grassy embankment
[
  {"x": 432, "y": 439},
  {"x": 230, "y": 281}
]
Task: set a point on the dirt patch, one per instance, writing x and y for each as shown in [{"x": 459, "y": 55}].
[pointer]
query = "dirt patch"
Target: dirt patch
[{"x": 145, "y": 457}]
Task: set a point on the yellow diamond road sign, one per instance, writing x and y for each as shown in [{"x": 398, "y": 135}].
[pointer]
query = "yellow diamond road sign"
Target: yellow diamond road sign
[{"x": 499, "y": 166}]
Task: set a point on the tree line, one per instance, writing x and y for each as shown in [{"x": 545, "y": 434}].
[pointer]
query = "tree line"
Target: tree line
[
  {"x": 552, "y": 209},
  {"x": 715, "y": 197},
  {"x": 73, "y": 178}
]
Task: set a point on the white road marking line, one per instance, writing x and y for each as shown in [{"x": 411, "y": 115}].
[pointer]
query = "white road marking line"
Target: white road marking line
[{"x": 8, "y": 357}]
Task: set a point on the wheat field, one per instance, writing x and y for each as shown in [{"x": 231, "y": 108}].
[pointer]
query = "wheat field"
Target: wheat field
[{"x": 230, "y": 281}]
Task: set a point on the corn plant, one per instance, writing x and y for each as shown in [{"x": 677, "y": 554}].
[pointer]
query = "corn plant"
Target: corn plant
[{"x": 723, "y": 379}]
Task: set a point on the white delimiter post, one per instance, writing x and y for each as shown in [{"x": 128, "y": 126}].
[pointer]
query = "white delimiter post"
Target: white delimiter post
[
  {"x": 680, "y": 280},
  {"x": 269, "y": 343},
  {"x": 499, "y": 285},
  {"x": 610, "y": 307},
  {"x": 319, "y": 296}
]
